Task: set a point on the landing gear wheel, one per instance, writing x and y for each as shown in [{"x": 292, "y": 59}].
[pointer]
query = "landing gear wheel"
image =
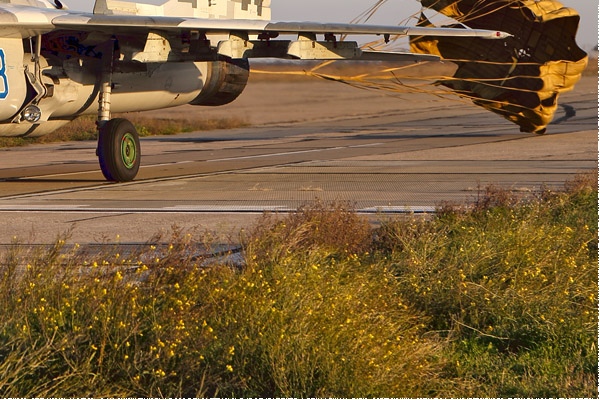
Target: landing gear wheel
[{"x": 119, "y": 150}]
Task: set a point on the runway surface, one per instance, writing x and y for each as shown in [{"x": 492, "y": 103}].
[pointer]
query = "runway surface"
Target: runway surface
[{"x": 307, "y": 141}]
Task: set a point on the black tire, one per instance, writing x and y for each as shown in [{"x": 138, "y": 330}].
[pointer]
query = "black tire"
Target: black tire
[{"x": 119, "y": 150}]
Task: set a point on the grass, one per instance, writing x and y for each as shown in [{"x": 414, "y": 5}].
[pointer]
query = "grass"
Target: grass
[
  {"x": 84, "y": 128},
  {"x": 514, "y": 286},
  {"x": 492, "y": 299}
]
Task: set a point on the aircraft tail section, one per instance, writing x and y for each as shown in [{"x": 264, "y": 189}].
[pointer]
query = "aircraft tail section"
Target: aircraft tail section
[{"x": 213, "y": 9}]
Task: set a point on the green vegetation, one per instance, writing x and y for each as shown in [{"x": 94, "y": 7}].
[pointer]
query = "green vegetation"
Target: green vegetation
[
  {"x": 84, "y": 128},
  {"x": 497, "y": 299}
]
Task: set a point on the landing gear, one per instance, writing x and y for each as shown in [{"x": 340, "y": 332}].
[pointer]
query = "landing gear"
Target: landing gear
[
  {"x": 118, "y": 142},
  {"x": 119, "y": 150}
]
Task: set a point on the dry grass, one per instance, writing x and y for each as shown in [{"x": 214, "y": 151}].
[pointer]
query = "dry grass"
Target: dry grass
[
  {"x": 84, "y": 128},
  {"x": 495, "y": 300},
  {"x": 335, "y": 228}
]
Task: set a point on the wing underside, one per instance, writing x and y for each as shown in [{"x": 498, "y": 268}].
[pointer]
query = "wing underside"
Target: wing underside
[{"x": 248, "y": 38}]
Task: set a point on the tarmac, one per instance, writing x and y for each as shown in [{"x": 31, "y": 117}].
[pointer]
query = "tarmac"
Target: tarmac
[{"x": 306, "y": 140}]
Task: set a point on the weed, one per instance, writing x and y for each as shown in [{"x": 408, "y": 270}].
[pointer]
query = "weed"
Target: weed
[
  {"x": 493, "y": 300},
  {"x": 510, "y": 281},
  {"x": 332, "y": 227}
]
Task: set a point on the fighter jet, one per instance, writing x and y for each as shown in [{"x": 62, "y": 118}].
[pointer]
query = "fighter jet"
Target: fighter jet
[{"x": 57, "y": 64}]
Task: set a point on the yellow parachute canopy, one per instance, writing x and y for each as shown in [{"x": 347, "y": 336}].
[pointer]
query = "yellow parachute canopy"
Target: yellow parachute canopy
[{"x": 519, "y": 78}]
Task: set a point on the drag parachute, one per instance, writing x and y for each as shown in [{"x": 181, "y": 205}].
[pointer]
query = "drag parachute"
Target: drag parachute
[{"x": 521, "y": 77}]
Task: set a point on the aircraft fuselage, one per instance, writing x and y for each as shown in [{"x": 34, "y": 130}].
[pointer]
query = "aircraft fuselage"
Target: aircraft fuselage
[{"x": 63, "y": 80}]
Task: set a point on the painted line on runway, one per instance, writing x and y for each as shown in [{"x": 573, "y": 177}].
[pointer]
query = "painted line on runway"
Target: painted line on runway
[
  {"x": 97, "y": 170},
  {"x": 215, "y": 160},
  {"x": 168, "y": 164},
  {"x": 287, "y": 153},
  {"x": 212, "y": 209}
]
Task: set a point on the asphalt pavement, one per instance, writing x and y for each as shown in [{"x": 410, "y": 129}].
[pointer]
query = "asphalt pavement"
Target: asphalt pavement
[{"x": 306, "y": 141}]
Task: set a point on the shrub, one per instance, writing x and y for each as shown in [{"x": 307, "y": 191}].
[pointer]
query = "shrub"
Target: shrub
[
  {"x": 332, "y": 227},
  {"x": 161, "y": 324},
  {"x": 494, "y": 300},
  {"x": 313, "y": 326},
  {"x": 517, "y": 279}
]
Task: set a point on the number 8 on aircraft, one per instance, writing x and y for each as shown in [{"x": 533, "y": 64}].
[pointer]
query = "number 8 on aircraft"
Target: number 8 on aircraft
[{"x": 3, "y": 79}]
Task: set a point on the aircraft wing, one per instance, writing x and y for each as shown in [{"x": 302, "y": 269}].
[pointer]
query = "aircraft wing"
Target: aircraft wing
[
  {"x": 135, "y": 22},
  {"x": 27, "y": 21}
]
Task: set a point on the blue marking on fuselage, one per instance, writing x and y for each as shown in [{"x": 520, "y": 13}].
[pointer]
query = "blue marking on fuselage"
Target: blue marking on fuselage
[{"x": 3, "y": 77}]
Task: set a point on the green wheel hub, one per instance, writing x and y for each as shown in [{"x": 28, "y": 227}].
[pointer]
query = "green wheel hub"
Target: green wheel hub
[{"x": 128, "y": 150}]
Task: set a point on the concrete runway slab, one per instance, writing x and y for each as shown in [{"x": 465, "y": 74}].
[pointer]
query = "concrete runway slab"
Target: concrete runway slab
[{"x": 308, "y": 140}]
